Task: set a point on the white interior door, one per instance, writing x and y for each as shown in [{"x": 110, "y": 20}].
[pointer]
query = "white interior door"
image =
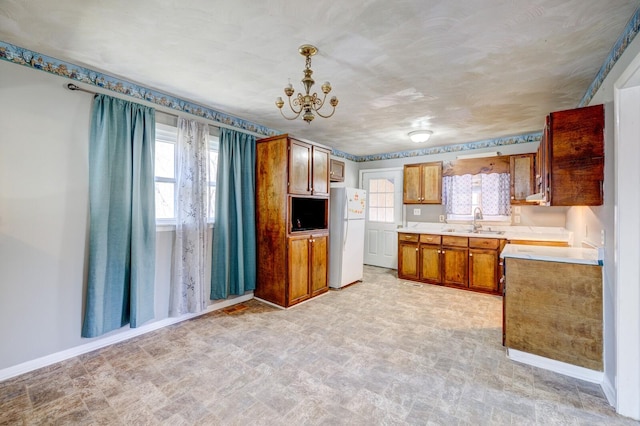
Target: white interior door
[{"x": 384, "y": 214}]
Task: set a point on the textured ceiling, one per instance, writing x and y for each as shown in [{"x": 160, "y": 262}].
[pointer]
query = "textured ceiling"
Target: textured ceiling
[{"x": 467, "y": 70}]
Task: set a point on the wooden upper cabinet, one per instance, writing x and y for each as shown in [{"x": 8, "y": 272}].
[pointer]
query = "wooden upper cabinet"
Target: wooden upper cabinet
[
  {"x": 522, "y": 174},
  {"x": 423, "y": 183},
  {"x": 308, "y": 169},
  {"x": 320, "y": 171},
  {"x": 299, "y": 167},
  {"x": 336, "y": 173},
  {"x": 576, "y": 157}
]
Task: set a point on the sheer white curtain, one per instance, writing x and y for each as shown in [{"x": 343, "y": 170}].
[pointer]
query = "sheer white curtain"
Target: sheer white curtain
[
  {"x": 456, "y": 194},
  {"x": 192, "y": 187},
  {"x": 496, "y": 194}
]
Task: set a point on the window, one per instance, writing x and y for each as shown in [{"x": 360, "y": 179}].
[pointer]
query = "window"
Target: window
[
  {"x": 464, "y": 193},
  {"x": 381, "y": 206},
  {"x": 165, "y": 173}
]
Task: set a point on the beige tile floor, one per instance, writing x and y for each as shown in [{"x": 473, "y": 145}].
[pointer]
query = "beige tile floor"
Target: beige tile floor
[{"x": 384, "y": 351}]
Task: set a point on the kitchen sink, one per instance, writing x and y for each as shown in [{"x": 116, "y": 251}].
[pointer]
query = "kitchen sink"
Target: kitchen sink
[{"x": 488, "y": 231}]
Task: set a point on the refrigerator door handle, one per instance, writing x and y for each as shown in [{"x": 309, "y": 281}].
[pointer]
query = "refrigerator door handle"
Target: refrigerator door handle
[{"x": 346, "y": 230}]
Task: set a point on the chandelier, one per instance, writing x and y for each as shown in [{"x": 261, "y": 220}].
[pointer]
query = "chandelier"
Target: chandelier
[{"x": 307, "y": 104}]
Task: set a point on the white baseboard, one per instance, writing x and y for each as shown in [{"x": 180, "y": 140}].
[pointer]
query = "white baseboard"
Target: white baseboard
[
  {"x": 609, "y": 390},
  {"x": 557, "y": 366},
  {"x": 115, "y": 337}
]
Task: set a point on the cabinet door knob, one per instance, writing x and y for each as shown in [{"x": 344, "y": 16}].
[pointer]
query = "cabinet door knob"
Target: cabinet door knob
[
  {"x": 470, "y": 254},
  {"x": 416, "y": 249}
]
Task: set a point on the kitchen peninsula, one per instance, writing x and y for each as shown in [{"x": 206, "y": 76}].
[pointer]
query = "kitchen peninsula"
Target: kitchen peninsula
[{"x": 553, "y": 305}]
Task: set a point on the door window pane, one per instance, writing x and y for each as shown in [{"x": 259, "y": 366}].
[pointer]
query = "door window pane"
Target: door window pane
[{"x": 381, "y": 200}]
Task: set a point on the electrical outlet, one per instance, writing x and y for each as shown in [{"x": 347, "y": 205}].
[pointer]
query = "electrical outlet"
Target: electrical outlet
[
  {"x": 516, "y": 219},
  {"x": 517, "y": 209},
  {"x": 441, "y": 218},
  {"x": 602, "y": 237},
  {"x": 417, "y": 212}
]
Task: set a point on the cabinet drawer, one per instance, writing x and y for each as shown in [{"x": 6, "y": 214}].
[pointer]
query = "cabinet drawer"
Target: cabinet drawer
[
  {"x": 485, "y": 243},
  {"x": 450, "y": 240},
  {"x": 409, "y": 237},
  {"x": 430, "y": 239}
]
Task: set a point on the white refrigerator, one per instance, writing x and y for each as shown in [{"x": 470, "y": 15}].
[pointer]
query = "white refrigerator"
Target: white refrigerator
[{"x": 346, "y": 236}]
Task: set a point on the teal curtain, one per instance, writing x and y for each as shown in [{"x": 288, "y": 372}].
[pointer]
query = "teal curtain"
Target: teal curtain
[
  {"x": 233, "y": 267},
  {"x": 121, "y": 216}
]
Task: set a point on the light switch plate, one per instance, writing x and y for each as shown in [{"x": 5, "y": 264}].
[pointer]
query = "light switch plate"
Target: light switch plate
[
  {"x": 441, "y": 218},
  {"x": 517, "y": 209},
  {"x": 416, "y": 212},
  {"x": 516, "y": 219}
]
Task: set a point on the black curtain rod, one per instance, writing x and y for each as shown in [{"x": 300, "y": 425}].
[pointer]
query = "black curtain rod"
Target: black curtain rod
[{"x": 77, "y": 88}]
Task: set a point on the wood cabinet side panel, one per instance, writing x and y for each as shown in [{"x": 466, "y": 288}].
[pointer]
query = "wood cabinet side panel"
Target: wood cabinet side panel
[
  {"x": 554, "y": 310},
  {"x": 271, "y": 211}
]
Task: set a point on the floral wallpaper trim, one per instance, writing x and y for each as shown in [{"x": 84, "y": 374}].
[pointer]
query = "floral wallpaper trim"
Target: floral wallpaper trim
[
  {"x": 21, "y": 56},
  {"x": 488, "y": 143},
  {"x": 625, "y": 39}
]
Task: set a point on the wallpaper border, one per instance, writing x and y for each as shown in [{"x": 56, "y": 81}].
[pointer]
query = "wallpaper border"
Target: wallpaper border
[
  {"x": 38, "y": 61},
  {"x": 627, "y": 36}
]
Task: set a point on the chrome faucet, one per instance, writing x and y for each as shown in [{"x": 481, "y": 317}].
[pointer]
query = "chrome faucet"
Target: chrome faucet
[{"x": 477, "y": 215}]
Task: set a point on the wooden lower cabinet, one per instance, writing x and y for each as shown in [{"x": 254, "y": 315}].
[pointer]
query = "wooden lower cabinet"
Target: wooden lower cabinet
[
  {"x": 408, "y": 260},
  {"x": 318, "y": 276},
  {"x": 483, "y": 270},
  {"x": 455, "y": 266},
  {"x": 485, "y": 265},
  {"x": 430, "y": 261},
  {"x": 307, "y": 267},
  {"x": 470, "y": 263}
]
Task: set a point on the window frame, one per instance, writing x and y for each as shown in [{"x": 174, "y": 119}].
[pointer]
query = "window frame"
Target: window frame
[{"x": 166, "y": 133}]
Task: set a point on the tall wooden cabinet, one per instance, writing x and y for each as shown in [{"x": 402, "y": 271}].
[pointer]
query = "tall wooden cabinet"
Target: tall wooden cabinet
[{"x": 292, "y": 217}]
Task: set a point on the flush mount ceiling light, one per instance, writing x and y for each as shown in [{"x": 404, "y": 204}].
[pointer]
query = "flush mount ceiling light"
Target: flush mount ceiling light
[
  {"x": 419, "y": 136},
  {"x": 307, "y": 103}
]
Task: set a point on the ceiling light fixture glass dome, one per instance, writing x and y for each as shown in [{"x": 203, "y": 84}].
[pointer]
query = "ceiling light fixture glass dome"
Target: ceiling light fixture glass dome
[{"x": 420, "y": 136}]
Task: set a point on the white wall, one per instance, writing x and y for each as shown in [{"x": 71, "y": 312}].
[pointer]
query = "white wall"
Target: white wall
[
  {"x": 589, "y": 223},
  {"x": 43, "y": 213},
  {"x": 44, "y": 218}
]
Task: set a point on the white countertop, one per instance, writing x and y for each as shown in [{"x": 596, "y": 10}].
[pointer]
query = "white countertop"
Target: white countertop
[
  {"x": 586, "y": 256},
  {"x": 532, "y": 233}
]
